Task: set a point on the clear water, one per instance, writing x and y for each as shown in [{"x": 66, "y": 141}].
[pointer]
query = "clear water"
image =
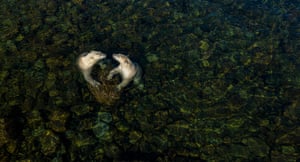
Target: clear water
[{"x": 221, "y": 81}]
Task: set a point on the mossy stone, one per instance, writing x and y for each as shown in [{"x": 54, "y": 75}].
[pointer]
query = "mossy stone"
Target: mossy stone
[
  {"x": 203, "y": 45},
  {"x": 151, "y": 57}
]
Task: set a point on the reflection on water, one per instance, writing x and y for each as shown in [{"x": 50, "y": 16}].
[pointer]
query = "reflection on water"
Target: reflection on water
[{"x": 222, "y": 81}]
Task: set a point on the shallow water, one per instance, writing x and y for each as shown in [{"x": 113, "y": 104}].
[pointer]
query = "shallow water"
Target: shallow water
[{"x": 221, "y": 81}]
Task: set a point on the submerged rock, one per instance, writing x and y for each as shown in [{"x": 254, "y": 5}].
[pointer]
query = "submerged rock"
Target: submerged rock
[
  {"x": 102, "y": 128},
  {"x": 102, "y": 131},
  {"x": 58, "y": 120},
  {"x": 3, "y": 134},
  {"x": 49, "y": 142},
  {"x": 106, "y": 93}
]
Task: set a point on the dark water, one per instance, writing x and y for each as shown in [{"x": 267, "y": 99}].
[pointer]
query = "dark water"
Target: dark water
[{"x": 221, "y": 81}]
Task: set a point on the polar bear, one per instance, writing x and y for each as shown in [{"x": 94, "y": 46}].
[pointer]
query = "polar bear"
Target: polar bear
[
  {"x": 127, "y": 69},
  {"x": 86, "y": 61}
]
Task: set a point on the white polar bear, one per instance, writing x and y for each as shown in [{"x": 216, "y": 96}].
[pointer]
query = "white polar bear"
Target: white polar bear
[
  {"x": 86, "y": 61},
  {"x": 127, "y": 69}
]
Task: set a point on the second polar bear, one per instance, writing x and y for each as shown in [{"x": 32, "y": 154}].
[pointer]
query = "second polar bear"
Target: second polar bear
[{"x": 127, "y": 69}]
